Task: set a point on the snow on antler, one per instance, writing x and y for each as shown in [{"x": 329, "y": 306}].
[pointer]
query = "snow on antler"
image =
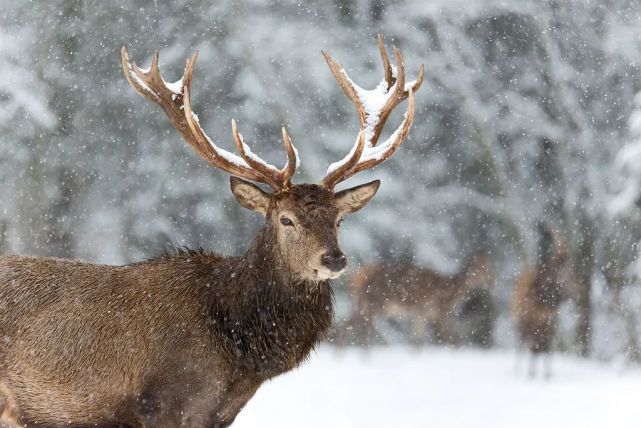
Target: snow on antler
[
  {"x": 374, "y": 107},
  {"x": 175, "y": 102}
]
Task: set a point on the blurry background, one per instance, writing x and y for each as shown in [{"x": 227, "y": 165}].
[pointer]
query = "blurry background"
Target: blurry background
[{"x": 528, "y": 121}]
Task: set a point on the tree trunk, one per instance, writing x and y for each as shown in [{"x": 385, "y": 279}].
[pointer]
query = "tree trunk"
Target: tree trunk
[
  {"x": 629, "y": 324},
  {"x": 584, "y": 267}
]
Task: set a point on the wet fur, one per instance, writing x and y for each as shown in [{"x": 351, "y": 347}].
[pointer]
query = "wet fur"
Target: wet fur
[{"x": 181, "y": 340}]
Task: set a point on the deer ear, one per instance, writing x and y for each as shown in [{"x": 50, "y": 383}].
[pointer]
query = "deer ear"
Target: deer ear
[
  {"x": 355, "y": 198},
  {"x": 249, "y": 195}
]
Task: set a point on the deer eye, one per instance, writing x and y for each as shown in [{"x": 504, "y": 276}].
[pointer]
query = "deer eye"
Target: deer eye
[
  {"x": 339, "y": 222},
  {"x": 286, "y": 222}
]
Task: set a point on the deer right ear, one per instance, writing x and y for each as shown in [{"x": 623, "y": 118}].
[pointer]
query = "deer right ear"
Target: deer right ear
[
  {"x": 355, "y": 198},
  {"x": 249, "y": 195}
]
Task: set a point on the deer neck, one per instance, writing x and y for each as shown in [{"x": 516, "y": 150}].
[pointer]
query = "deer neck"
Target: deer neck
[
  {"x": 264, "y": 256},
  {"x": 272, "y": 321}
]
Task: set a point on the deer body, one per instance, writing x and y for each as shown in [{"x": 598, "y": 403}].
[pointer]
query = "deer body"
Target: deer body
[
  {"x": 535, "y": 304},
  {"x": 183, "y": 340},
  {"x": 538, "y": 293},
  {"x": 186, "y": 339},
  {"x": 423, "y": 296}
]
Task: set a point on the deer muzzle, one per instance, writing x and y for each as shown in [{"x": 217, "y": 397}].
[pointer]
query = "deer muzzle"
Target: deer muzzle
[{"x": 335, "y": 260}]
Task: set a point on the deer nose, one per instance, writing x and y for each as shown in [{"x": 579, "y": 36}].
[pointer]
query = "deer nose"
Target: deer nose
[{"x": 334, "y": 261}]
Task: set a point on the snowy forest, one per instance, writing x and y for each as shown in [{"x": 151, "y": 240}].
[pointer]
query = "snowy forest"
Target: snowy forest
[{"x": 527, "y": 126}]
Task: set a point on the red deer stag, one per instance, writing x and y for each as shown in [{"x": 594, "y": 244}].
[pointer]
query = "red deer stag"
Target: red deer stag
[
  {"x": 425, "y": 298},
  {"x": 538, "y": 294},
  {"x": 186, "y": 339}
]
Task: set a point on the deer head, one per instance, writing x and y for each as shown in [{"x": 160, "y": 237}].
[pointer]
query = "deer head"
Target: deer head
[{"x": 303, "y": 219}]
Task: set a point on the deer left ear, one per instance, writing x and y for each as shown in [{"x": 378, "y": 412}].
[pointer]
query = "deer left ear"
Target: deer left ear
[
  {"x": 355, "y": 198},
  {"x": 249, "y": 195}
]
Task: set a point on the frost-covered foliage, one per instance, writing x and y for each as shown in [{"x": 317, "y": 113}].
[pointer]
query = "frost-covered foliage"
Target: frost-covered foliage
[{"x": 524, "y": 109}]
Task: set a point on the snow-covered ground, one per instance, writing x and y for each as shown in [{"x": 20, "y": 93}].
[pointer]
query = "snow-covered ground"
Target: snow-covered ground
[{"x": 401, "y": 387}]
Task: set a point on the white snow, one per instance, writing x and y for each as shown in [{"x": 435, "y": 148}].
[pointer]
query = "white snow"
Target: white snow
[
  {"x": 228, "y": 156},
  {"x": 378, "y": 152},
  {"x": 175, "y": 87},
  {"x": 135, "y": 77},
  {"x": 437, "y": 387},
  {"x": 409, "y": 85},
  {"x": 141, "y": 82},
  {"x": 297, "y": 156}
]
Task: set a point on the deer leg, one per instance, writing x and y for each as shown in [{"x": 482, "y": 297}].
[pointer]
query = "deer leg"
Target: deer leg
[
  {"x": 419, "y": 328},
  {"x": 444, "y": 334},
  {"x": 236, "y": 396},
  {"x": 532, "y": 364},
  {"x": 207, "y": 407},
  {"x": 156, "y": 410},
  {"x": 8, "y": 421},
  {"x": 366, "y": 329},
  {"x": 547, "y": 365},
  {"x": 520, "y": 357},
  {"x": 8, "y": 417},
  {"x": 5, "y": 424},
  {"x": 353, "y": 331}
]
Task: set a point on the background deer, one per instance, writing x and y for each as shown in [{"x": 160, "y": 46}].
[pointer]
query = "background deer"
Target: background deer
[
  {"x": 187, "y": 338},
  {"x": 425, "y": 298},
  {"x": 538, "y": 294}
]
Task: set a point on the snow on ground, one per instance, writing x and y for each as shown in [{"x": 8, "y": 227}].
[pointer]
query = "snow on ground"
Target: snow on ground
[{"x": 434, "y": 387}]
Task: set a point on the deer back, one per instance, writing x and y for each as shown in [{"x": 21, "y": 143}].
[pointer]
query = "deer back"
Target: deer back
[{"x": 404, "y": 289}]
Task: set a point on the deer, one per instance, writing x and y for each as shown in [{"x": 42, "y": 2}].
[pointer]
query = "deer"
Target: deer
[
  {"x": 187, "y": 338},
  {"x": 537, "y": 296},
  {"x": 425, "y": 298}
]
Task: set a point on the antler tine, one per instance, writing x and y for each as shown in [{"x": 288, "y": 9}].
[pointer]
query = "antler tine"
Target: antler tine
[
  {"x": 292, "y": 159},
  {"x": 387, "y": 66},
  {"x": 135, "y": 77},
  {"x": 342, "y": 167},
  {"x": 271, "y": 173},
  {"x": 348, "y": 86},
  {"x": 190, "y": 64},
  {"x": 176, "y": 103},
  {"x": 282, "y": 177},
  {"x": 374, "y": 108}
]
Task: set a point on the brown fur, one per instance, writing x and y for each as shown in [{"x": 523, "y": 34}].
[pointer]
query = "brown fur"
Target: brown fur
[
  {"x": 535, "y": 315},
  {"x": 421, "y": 295},
  {"x": 538, "y": 294},
  {"x": 180, "y": 340}
]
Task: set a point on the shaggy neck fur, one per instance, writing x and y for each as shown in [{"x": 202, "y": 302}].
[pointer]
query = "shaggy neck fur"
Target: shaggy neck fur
[{"x": 266, "y": 318}]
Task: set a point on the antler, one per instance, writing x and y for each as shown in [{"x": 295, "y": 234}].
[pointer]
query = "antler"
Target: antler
[
  {"x": 374, "y": 107},
  {"x": 175, "y": 102}
]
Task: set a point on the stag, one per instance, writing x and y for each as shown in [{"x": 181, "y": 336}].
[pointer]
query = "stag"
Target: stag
[
  {"x": 538, "y": 293},
  {"x": 425, "y": 298},
  {"x": 186, "y": 339}
]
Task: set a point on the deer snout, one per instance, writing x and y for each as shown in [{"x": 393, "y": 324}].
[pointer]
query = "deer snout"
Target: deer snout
[{"x": 335, "y": 260}]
